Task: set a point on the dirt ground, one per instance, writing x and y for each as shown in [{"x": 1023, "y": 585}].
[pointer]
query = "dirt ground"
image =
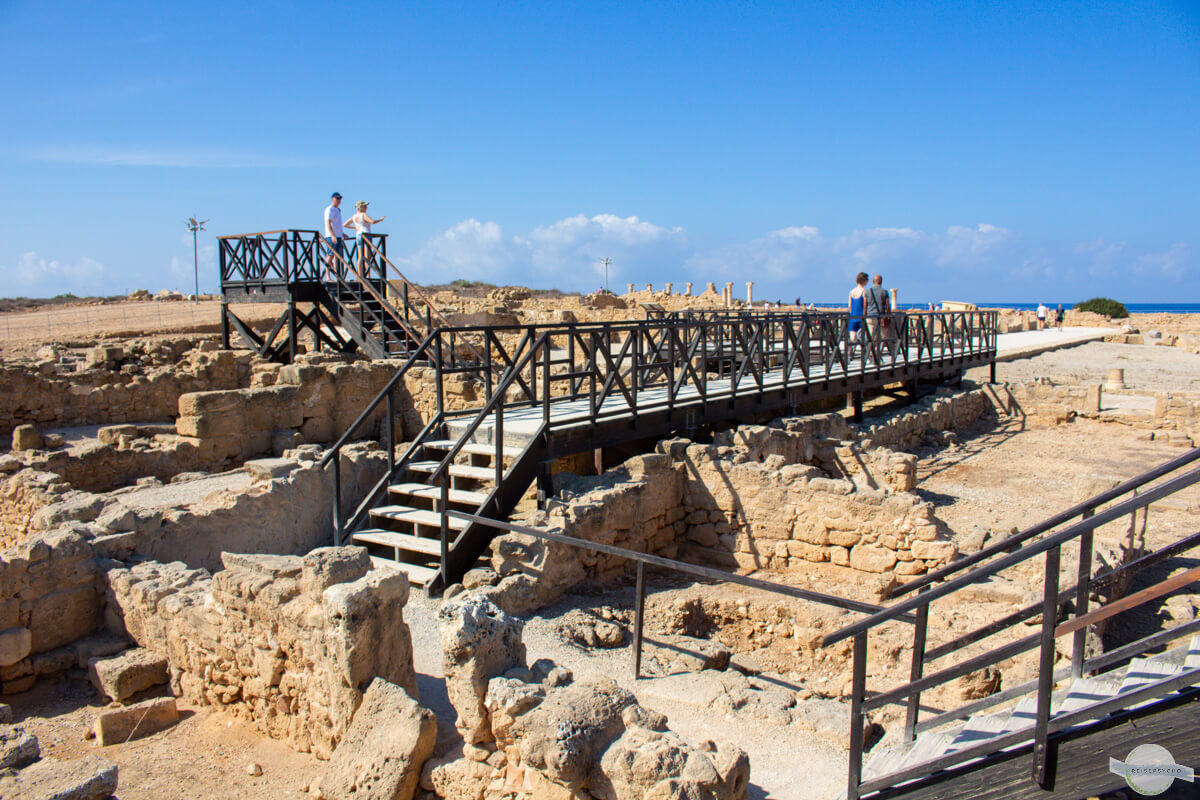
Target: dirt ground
[
  {"x": 23, "y": 332},
  {"x": 204, "y": 756}
]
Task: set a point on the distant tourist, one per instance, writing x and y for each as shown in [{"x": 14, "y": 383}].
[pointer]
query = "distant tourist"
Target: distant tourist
[
  {"x": 1058, "y": 317},
  {"x": 878, "y": 308},
  {"x": 334, "y": 235},
  {"x": 857, "y": 309},
  {"x": 1041, "y": 314}
]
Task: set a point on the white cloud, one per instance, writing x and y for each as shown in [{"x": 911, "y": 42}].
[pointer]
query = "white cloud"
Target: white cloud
[
  {"x": 1172, "y": 264},
  {"x": 38, "y": 274},
  {"x": 566, "y": 253}
]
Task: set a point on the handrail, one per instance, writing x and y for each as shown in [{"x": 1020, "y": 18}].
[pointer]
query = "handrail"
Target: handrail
[
  {"x": 383, "y": 393},
  {"x": 642, "y": 559},
  {"x": 1054, "y": 599},
  {"x": 497, "y": 397},
  {"x": 1008, "y": 543},
  {"x": 366, "y": 284},
  {"x": 986, "y": 571}
]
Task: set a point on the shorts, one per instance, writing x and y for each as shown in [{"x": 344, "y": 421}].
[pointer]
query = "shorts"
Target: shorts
[{"x": 338, "y": 246}]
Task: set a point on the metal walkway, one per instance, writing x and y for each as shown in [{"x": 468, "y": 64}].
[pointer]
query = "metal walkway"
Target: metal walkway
[{"x": 555, "y": 390}]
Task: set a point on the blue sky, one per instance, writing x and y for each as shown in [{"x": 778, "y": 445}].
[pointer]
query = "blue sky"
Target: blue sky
[{"x": 983, "y": 151}]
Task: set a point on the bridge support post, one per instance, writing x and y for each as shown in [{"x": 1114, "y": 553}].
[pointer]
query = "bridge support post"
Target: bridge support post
[
  {"x": 992, "y": 379},
  {"x": 224, "y": 326},
  {"x": 545, "y": 485},
  {"x": 858, "y": 400},
  {"x": 914, "y": 389},
  {"x": 292, "y": 332}
]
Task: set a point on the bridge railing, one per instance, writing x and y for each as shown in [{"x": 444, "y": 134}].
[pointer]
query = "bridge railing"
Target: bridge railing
[
  {"x": 627, "y": 368},
  {"x": 1063, "y": 612}
]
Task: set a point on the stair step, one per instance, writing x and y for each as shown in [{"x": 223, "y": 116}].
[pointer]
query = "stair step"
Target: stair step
[
  {"x": 881, "y": 763},
  {"x": 456, "y": 470},
  {"x": 474, "y": 499},
  {"x": 977, "y": 729},
  {"x": 1143, "y": 671},
  {"x": 1087, "y": 691},
  {"x": 401, "y": 541},
  {"x": 474, "y": 448},
  {"x": 1193, "y": 657},
  {"x": 1023, "y": 715},
  {"x": 417, "y": 574},
  {"x": 417, "y": 516},
  {"x": 926, "y": 748}
]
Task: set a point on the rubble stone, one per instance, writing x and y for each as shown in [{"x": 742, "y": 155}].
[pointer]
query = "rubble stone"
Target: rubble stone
[
  {"x": 133, "y": 671},
  {"x": 382, "y": 752},
  {"x": 479, "y": 642},
  {"x": 86, "y": 778},
  {"x": 119, "y": 725}
]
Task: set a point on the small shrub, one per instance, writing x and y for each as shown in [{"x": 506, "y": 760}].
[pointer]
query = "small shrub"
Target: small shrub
[{"x": 1104, "y": 305}]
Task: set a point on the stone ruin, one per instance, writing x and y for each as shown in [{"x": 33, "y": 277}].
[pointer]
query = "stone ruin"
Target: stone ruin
[{"x": 189, "y": 553}]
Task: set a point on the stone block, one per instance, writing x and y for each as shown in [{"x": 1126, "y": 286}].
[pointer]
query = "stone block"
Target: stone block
[
  {"x": 62, "y": 617},
  {"x": 327, "y": 566},
  {"x": 125, "y": 675},
  {"x": 934, "y": 551},
  {"x": 844, "y": 538},
  {"x": 869, "y": 558},
  {"x": 111, "y": 434},
  {"x": 479, "y": 642},
  {"x": 26, "y": 437},
  {"x": 119, "y": 725},
  {"x": 210, "y": 426},
  {"x": 381, "y": 754},
  {"x": 18, "y": 685},
  {"x": 87, "y": 778},
  {"x": 18, "y": 747},
  {"x": 196, "y": 404},
  {"x": 1091, "y": 484},
  {"x": 704, "y": 535},
  {"x": 15, "y": 644},
  {"x": 265, "y": 469}
]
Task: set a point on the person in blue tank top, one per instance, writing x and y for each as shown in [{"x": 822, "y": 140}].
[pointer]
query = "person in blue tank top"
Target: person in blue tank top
[{"x": 856, "y": 311}]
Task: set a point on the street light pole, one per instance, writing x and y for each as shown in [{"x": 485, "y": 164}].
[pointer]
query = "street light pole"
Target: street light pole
[
  {"x": 195, "y": 227},
  {"x": 606, "y": 262}
]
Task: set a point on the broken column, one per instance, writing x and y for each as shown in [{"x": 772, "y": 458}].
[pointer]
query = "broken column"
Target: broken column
[
  {"x": 1116, "y": 380},
  {"x": 649, "y": 287},
  {"x": 630, "y": 289},
  {"x": 669, "y": 287},
  {"x": 688, "y": 292},
  {"x": 479, "y": 642}
]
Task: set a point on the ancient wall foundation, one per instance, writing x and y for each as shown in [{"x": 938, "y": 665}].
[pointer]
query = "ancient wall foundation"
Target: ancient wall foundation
[{"x": 287, "y": 642}]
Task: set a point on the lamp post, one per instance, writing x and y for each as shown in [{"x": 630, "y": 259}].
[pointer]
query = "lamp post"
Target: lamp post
[
  {"x": 606, "y": 262},
  {"x": 195, "y": 227}
]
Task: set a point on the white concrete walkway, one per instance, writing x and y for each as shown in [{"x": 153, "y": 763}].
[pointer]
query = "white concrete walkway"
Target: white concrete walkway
[{"x": 1030, "y": 343}]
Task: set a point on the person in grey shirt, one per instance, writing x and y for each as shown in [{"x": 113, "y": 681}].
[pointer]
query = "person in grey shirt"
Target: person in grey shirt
[{"x": 877, "y": 306}]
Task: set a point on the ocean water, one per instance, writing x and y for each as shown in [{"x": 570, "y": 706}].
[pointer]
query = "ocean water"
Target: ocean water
[{"x": 1134, "y": 308}]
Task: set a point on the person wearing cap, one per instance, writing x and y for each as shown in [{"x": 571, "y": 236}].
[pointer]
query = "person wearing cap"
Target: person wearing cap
[
  {"x": 334, "y": 236},
  {"x": 361, "y": 221}
]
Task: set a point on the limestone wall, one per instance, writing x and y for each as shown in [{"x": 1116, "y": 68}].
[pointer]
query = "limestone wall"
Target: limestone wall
[
  {"x": 47, "y": 600},
  {"x": 317, "y": 400},
  {"x": 51, "y": 595},
  {"x": 747, "y": 515},
  {"x": 288, "y": 643},
  {"x": 56, "y": 395}
]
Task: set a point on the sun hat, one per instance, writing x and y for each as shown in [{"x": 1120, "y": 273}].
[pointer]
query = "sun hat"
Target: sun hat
[
  {"x": 338, "y": 195},
  {"x": 361, "y": 204}
]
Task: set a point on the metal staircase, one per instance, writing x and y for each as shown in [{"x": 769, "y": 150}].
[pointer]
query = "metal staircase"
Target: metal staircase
[
  {"x": 1057, "y": 732},
  {"x": 1081, "y": 697}
]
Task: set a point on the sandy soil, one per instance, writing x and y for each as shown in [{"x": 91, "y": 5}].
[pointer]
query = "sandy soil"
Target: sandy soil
[
  {"x": 204, "y": 756},
  {"x": 1146, "y": 366},
  {"x": 22, "y": 332}
]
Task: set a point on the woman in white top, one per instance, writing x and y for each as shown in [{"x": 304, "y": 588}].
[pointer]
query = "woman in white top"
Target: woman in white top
[{"x": 361, "y": 222}]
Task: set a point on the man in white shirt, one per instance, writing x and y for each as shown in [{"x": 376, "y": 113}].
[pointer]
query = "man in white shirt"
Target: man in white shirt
[
  {"x": 333, "y": 228},
  {"x": 1041, "y": 316}
]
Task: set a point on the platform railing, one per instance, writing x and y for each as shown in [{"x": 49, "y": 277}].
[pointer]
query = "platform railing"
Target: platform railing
[{"x": 1063, "y": 612}]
